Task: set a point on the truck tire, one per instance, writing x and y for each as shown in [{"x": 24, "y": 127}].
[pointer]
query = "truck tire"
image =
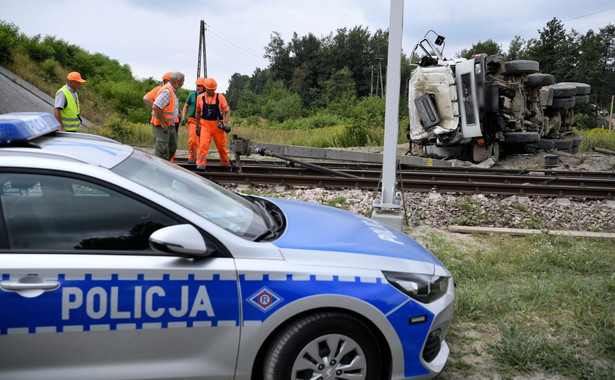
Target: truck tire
[
  {"x": 563, "y": 102},
  {"x": 581, "y": 99},
  {"x": 314, "y": 339},
  {"x": 521, "y": 137},
  {"x": 546, "y": 144},
  {"x": 522, "y": 66},
  {"x": 562, "y": 144},
  {"x": 561, "y": 90},
  {"x": 577, "y": 140},
  {"x": 582, "y": 88},
  {"x": 539, "y": 80}
]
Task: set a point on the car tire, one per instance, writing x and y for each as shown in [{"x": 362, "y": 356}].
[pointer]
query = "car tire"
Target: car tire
[
  {"x": 321, "y": 333},
  {"x": 563, "y": 102},
  {"x": 521, "y": 137},
  {"x": 521, "y": 66},
  {"x": 539, "y": 80}
]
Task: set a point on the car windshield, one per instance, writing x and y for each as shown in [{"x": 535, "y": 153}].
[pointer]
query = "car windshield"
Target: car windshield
[{"x": 213, "y": 202}]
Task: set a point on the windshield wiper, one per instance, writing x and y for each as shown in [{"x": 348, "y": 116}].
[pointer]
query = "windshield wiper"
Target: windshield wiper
[{"x": 272, "y": 225}]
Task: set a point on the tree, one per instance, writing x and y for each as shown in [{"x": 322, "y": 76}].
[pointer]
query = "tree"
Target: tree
[
  {"x": 555, "y": 50},
  {"x": 9, "y": 35},
  {"x": 489, "y": 47},
  {"x": 517, "y": 49},
  {"x": 235, "y": 85}
]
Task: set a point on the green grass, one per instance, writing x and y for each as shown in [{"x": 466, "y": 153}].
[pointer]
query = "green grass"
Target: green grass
[{"x": 549, "y": 303}]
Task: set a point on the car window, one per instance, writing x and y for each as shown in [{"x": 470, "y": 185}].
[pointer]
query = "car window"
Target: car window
[
  {"x": 47, "y": 212},
  {"x": 211, "y": 201}
]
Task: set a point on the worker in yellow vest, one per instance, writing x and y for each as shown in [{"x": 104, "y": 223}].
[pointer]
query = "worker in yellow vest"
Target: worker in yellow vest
[{"x": 66, "y": 105}]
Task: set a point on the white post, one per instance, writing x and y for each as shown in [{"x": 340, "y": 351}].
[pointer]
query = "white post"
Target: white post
[{"x": 387, "y": 200}]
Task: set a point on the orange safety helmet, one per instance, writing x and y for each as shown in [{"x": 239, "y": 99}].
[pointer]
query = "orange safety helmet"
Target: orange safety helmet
[
  {"x": 200, "y": 82},
  {"x": 167, "y": 76},
  {"x": 210, "y": 84}
]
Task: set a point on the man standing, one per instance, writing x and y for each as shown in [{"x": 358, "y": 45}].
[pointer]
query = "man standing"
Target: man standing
[
  {"x": 149, "y": 98},
  {"x": 166, "y": 111},
  {"x": 212, "y": 115},
  {"x": 66, "y": 106},
  {"x": 189, "y": 109}
]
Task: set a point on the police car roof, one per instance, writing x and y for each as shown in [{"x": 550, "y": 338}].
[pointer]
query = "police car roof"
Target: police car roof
[{"x": 20, "y": 132}]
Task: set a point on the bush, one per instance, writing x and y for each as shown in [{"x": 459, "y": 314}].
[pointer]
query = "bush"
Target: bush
[
  {"x": 50, "y": 67},
  {"x": 322, "y": 119},
  {"x": 584, "y": 121},
  {"x": 599, "y": 138},
  {"x": 9, "y": 34}
]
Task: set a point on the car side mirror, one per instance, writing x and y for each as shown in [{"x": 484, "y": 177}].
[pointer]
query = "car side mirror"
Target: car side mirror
[{"x": 182, "y": 239}]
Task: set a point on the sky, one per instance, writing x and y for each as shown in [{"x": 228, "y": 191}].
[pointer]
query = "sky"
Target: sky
[{"x": 155, "y": 36}]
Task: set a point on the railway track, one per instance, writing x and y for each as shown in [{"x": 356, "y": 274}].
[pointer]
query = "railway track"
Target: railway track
[{"x": 550, "y": 183}]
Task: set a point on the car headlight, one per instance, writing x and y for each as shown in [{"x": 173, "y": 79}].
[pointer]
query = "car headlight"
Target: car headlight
[{"x": 421, "y": 287}]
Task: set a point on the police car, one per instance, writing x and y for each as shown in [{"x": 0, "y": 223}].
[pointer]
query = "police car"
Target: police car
[{"x": 117, "y": 264}]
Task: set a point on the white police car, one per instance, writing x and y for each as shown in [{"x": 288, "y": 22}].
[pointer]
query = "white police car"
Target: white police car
[{"x": 116, "y": 264}]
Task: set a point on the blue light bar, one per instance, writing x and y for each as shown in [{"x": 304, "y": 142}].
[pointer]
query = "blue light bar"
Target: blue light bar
[{"x": 25, "y": 126}]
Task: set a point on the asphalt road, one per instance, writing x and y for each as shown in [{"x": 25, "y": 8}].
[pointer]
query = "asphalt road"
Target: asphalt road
[{"x": 17, "y": 95}]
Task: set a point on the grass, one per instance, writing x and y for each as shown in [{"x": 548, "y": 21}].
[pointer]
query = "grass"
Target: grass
[
  {"x": 597, "y": 137},
  {"x": 549, "y": 301}
]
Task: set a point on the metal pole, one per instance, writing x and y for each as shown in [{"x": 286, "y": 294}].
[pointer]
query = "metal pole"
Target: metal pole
[
  {"x": 388, "y": 207},
  {"x": 611, "y": 113},
  {"x": 391, "y": 120}
]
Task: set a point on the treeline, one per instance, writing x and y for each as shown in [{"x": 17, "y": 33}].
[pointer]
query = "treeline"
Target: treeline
[
  {"x": 312, "y": 82},
  {"x": 107, "y": 79},
  {"x": 569, "y": 56},
  {"x": 309, "y": 75}
]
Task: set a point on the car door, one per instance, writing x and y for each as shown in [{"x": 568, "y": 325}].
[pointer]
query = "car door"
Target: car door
[{"x": 82, "y": 295}]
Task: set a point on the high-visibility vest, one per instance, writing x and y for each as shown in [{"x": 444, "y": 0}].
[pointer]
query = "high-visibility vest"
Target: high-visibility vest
[
  {"x": 167, "y": 112},
  {"x": 152, "y": 95},
  {"x": 70, "y": 113}
]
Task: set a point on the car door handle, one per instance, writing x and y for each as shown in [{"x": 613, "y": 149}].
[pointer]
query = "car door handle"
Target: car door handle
[{"x": 17, "y": 286}]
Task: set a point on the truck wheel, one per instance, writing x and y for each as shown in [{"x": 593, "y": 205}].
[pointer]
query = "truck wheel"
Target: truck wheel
[
  {"x": 546, "y": 144},
  {"x": 581, "y": 99},
  {"x": 562, "y": 144},
  {"x": 521, "y": 66},
  {"x": 521, "y": 137},
  {"x": 563, "y": 102},
  {"x": 325, "y": 345},
  {"x": 561, "y": 90},
  {"x": 539, "y": 80},
  {"x": 577, "y": 140},
  {"x": 582, "y": 88}
]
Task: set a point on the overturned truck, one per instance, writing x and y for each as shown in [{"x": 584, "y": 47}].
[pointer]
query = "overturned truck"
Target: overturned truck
[{"x": 478, "y": 108}]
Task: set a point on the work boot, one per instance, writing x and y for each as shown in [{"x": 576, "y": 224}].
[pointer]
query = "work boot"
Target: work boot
[{"x": 201, "y": 168}]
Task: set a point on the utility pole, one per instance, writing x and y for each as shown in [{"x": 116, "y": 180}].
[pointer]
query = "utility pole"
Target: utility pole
[
  {"x": 388, "y": 205},
  {"x": 202, "y": 52}
]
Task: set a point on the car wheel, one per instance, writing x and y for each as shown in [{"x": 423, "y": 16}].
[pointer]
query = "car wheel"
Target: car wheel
[
  {"x": 521, "y": 66},
  {"x": 327, "y": 345}
]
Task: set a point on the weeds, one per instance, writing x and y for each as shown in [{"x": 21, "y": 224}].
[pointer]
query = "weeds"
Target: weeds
[{"x": 550, "y": 300}]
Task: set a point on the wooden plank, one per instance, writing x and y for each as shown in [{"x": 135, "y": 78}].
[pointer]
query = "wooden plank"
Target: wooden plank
[{"x": 526, "y": 232}]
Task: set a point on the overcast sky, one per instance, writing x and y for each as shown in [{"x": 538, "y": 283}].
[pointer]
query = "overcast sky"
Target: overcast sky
[{"x": 155, "y": 36}]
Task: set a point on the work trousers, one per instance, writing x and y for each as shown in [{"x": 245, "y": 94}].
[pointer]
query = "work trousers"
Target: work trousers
[
  {"x": 209, "y": 130},
  {"x": 165, "y": 142},
  {"x": 193, "y": 140}
]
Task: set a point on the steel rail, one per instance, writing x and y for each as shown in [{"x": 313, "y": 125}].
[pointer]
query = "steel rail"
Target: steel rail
[{"x": 440, "y": 180}]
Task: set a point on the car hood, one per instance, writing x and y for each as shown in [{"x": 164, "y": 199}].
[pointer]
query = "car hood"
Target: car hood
[{"x": 313, "y": 229}]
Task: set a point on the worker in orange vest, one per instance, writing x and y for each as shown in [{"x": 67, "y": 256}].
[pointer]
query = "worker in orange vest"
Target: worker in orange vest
[
  {"x": 189, "y": 111},
  {"x": 212, "y": 115},
  {"x": 166, "y": 111},
  {"x": 149, "y": 98}
]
